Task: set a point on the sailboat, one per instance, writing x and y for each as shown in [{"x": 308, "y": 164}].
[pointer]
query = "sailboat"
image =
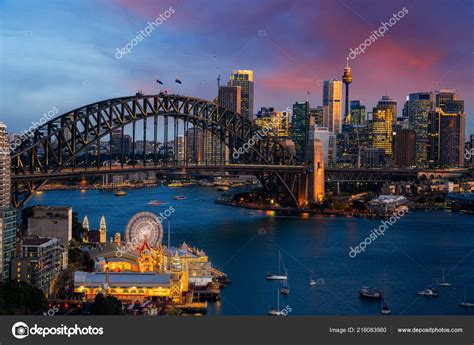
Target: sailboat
[
  {"x": 312, "y": 282},
  {"x": 464, "y": 302},
  {"x": 385, "y": 310},
  {"x": 279, "y": 276},
  {"x": 285, "y": 289},
  {"x": 276, "y": 312},
  {"x": 444, "y": 283}
]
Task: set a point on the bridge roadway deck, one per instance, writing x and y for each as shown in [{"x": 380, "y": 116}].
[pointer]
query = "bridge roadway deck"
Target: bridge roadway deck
[{"x": 242, "y": 168}]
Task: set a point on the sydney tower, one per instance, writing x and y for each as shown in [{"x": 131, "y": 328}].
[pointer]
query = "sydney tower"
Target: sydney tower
[{"x": 347, "y": 79}]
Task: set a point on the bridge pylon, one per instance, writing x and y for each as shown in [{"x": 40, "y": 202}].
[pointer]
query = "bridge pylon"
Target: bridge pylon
[{"x": 312, "y": 186}]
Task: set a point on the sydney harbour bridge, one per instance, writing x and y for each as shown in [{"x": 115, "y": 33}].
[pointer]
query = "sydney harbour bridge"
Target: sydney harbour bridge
[{"x": 69, "y": 146}]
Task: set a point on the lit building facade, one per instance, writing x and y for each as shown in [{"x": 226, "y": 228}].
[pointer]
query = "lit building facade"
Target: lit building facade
[
  {"x": 317, "y": 115},
  {"x": 8, "y": 215},
  {"x": 40, "y": 261},
  {"x": 244, "y": 79},
  {"x": 332, "y": 105},
  {"x": 382, "y": 130},
  {"x": 276, "y": 122},
  {"x": 418, "y": 109},
  {"x": 5, "y": 183}
]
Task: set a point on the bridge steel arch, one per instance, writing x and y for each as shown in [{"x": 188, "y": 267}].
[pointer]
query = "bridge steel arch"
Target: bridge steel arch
[{"x": 65, "y": 142}]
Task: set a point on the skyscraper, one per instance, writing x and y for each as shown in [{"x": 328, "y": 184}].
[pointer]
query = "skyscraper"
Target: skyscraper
[
  {"x": 418, "y": 108},
  {"x": 382, "y": 123},
  {"x": 332, "y": 95},
  {"x": 388, "y": 103},
  {"x": 404, "y": 147},
  {"x": 357, "y": 113},
  {"x": 244, "y": 79},
  {"x": 300, "y": 128},
  {"x": 230, "y": 98},
  {"x": 317, "y": 115},
  {"x": 4, "y": 168},
  {"x": 277, "y": 122},
  {"x": 8, "y": 215},
  {"x": 446, "y": 129}
]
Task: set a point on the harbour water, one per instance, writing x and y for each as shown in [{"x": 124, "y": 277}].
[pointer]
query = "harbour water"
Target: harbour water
[{"x": 245, "y": 244}]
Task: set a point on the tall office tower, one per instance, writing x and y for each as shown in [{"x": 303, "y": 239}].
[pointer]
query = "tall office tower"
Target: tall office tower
[
  {"x": 382, "y": 129},
  {"x": 244, "y": 79},
  {"x": 347, "y": 79},
  {"x": 230, "y": 98},
  {"x": 5, "y": 184},
  {"x": 451, "y": 139},
  {"x": 8, "y": 215},
  {"x": 332, "y": 95},
  {"x": 387, "y": 103},
  {"x": 446, "y": 129},
  {"x": 470, "y": 149},
  {"x": 194, "y": 145},
  {"x": 418, "y": 108},
  {"x": 404, "y": 144},
  {"x": 179, "y": 154},
  {"x": 277, "y": 123},
  {"x": 358, "y": 140},
  {"x": 299, "y": 130},
  {"x": 357, "y": 113},
  {"x": 316, "y": 114}
]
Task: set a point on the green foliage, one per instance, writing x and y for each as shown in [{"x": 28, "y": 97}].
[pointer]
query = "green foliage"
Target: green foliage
[
  {"x": 77, "y": 259},
  {"x": 77, "y": 229},
  {"x": 106, "y": 305},
  {"x": 20, "y": 299}
]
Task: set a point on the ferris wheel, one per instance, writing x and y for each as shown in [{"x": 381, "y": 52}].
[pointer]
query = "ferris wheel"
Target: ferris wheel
[{"x": 144, "y": 226}]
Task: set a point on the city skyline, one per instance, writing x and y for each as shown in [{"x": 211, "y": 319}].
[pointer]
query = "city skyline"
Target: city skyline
[{"x": 286, "y": 65}]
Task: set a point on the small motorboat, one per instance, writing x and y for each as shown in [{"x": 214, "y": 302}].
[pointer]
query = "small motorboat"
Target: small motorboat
[
  {"x": 385, "y": 310},
  {"x": 428, "y": 292},
  {"x": 285, "y": 290},
  {"x": 120, "y": 193},
  {"x": 180, "y": 197},
  {"x": 368, "y": 292},
  {"x": 223, "y": 189},
  {"x": 312, "y": 282},
  {"x": 154, "y": 203}
]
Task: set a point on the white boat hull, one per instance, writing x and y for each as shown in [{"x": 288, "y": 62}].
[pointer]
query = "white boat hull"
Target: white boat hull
[{"x": 275, "y": 277}]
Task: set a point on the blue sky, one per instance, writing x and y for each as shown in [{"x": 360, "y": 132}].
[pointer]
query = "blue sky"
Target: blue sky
[{"x": 61, "y": 53}]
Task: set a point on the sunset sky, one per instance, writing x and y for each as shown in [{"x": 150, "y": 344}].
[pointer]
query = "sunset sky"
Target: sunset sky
[{"x": 62, "y": 53}]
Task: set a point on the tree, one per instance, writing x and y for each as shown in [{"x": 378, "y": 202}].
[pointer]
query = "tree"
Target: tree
[
  {"x": 108, "y": 305},
  {"x": 77, "y": 229},
  {"x": 26, "y": 213},
  {"x": 20, "y": 299}
]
